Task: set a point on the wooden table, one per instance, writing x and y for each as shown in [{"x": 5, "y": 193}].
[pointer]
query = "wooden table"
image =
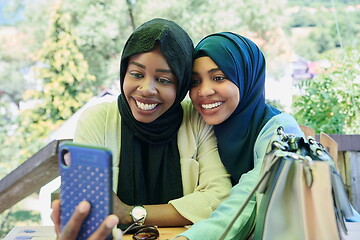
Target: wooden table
[{"x": 48, "y": 233}]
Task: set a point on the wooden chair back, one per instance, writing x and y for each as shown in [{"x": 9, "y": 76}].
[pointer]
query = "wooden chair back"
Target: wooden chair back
[
  {"x": 328, "y": 142},
  {"x": 331, "y": 146}
]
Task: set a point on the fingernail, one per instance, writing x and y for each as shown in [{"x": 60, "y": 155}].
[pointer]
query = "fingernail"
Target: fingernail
[
  {"x": 112, "y": 221},
  {"x": 84, "y": 207}
]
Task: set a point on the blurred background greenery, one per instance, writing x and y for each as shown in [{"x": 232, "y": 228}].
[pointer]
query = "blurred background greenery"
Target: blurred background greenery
[{"x": 56, "y": 55}]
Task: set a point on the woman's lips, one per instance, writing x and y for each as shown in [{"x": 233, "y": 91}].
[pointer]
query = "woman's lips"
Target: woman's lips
[
  {"x": 146, "y": 106},
  {"x": 211, "y": 105}
]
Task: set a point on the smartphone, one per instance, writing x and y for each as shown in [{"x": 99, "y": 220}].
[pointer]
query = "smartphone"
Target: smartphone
[{"x": 86, "y": 174}]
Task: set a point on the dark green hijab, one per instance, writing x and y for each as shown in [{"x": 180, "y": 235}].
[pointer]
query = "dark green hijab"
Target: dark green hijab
[
  {"x": 149, "y": 157},
  {"x": 243, "y": 63}
]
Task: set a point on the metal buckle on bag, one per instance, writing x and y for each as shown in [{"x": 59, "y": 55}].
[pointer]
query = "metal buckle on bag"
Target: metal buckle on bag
[{"x": 288, "y": 141}]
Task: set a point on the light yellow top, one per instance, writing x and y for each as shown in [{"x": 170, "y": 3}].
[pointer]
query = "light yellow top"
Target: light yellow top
[{"x": 205, "y": 180}]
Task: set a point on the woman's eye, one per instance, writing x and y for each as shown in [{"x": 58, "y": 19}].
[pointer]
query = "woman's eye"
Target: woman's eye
[
  {"x": 194, "y": 83},
  {"x": 136, "y": 74},
  {"x": 218, "y": 78},
  {"x": 164, "y": 81}
]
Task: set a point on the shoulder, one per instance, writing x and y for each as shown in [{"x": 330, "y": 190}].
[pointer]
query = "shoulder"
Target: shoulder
[
  {"x": 95, "y": 121},
  {"x": 99, "y": 114},
  {"x": 188, "y": 108},
  {"x": 284, "y": 120},
  {"x": 287, "y": 121},
  {"x": 192, "y": 119},
  {"x": 100, "y": 110},
  {"x": 193, "y": 132},
  {"x": 190, "y": 113}
]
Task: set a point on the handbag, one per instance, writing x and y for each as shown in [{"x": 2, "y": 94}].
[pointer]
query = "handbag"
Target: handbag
[{"x": 300, "y": 193}]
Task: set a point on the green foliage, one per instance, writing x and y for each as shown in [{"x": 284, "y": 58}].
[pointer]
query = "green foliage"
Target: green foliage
[
  {"x": 323, "y": 28},
  {"x": 321, "y": 3},
  {"x": 276, "y": 104},
  {"x": 66, "y": 86},
  {"x": 7, "y": 140},
  {"x": 202, "y": 17},
  {"x": 260, "y": 20},
  {"x": 12, "y": 80},
  {"x": 19, "y": 217},
  {"x": 102, "y": 26},
  {"x": 303, "y": 19},
  {"x": 331, "y": 102},
  {"x": 319, "y": 107}
]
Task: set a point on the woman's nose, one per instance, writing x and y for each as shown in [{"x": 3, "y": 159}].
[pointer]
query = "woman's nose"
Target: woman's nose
[
  {"x": 205, "y": 89},
  {"x": 147, "y": 86}
]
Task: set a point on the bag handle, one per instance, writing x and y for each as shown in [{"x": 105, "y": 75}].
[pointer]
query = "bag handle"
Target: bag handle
[{"x": 228, "y": 227}]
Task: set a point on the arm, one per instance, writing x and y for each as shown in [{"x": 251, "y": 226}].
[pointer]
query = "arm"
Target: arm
[
  {"x": 214, "y": 226},
  {"x": 159, "y": 215}
]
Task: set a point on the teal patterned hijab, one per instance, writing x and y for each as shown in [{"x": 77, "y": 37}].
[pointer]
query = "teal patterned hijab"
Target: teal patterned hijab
[{"x": 244, "y": 64}]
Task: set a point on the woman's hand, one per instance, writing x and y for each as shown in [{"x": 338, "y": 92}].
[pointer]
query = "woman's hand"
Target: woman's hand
[
  {"x": 122, "y": 210},
  {"x": 73, "y": 226}
]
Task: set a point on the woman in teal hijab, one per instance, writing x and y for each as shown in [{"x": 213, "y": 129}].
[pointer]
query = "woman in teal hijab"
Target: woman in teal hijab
[
  {"x": 228, "y": 89},
  {"x": 243, "y": 64}
]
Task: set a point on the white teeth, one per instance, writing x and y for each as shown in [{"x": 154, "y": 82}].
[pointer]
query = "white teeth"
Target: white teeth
[
  {"x": 145, "y": 106},
  {"x": 212, "y": 105}
]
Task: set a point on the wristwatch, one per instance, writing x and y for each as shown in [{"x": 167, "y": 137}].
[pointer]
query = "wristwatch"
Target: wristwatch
[{"x": 137, "y": 213}]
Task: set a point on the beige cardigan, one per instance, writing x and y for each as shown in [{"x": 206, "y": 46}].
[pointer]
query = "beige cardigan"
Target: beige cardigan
[{"x": 205, "y": 181}]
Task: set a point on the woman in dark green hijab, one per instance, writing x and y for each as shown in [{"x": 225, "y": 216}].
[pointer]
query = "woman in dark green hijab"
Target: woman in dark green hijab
[{"x": 166, "y": 166}]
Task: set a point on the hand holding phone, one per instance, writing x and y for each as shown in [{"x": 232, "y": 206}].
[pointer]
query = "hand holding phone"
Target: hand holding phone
[{"x": 86, "y": 174}]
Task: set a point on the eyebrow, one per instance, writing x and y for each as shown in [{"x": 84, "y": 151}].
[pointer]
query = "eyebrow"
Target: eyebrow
[
  {"x": 213, "y": 70},
  {"x": 138, "y": 64},
  {"x": 157, "y": 70},
  {"x": 163, "y": 70}
]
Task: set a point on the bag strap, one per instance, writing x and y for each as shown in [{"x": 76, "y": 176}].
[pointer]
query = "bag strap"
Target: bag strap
[
  {"x": 228, "y": 227},
  {"x": 275, "y": 149}
]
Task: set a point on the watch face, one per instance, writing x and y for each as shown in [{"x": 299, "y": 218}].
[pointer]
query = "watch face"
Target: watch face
[{"x": 138, "y": 212}]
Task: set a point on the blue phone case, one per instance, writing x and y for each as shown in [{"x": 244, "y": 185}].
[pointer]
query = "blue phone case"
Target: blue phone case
[{"x": 88, "y": 177}]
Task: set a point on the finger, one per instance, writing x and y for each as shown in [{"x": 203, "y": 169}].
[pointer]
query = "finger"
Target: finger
[
  {"x": 55, "y": 215},
  {"x": 67, "y": 159},
  {"x": 105, "y": 228},
  {"x": 73, "y": 226}
]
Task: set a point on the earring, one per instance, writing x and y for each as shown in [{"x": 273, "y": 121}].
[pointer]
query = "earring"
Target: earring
[{"x": 199, "y": 92}]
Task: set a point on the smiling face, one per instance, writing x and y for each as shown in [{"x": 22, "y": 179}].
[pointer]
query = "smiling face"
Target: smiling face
[
  {"x": 149, "y": 85},
  {"x": 214, "y": 96}
]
